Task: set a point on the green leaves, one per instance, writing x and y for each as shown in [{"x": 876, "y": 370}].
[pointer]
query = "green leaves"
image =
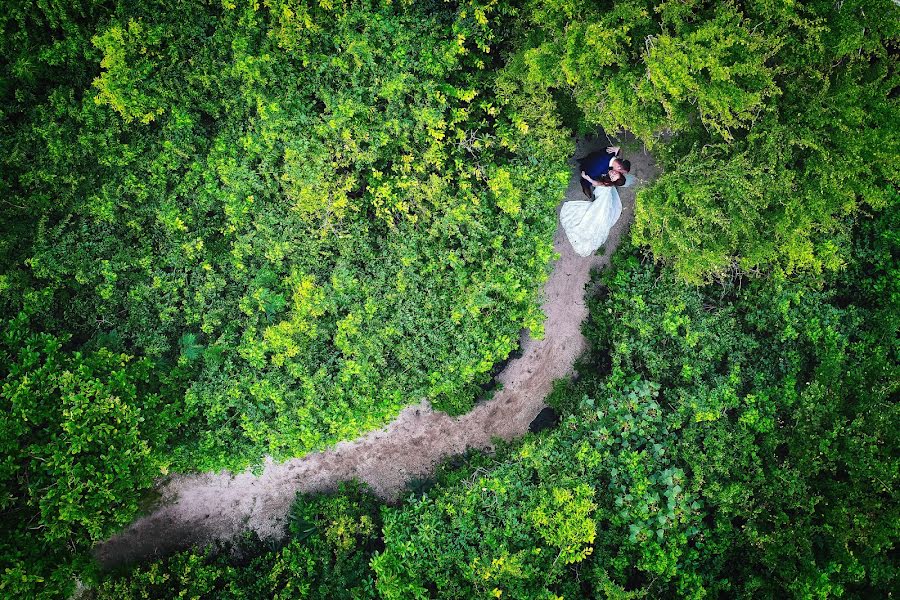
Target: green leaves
[
  {"x": 81, "y": 438},
  {"x": 563, "y": 520},
  {"x": 264, "y": 229},
  {"x": 307, "y": 210},
  {"x": 83, "y": 457},
  {"x": 130, "y": 52},
  {"x": 771, "y": 133},
  {"x": 719, "y": 68},
  {"x": 306, "y": 216},
  {"x": 597, "y": 486},
  {"x": 748, "y": 373},
  {"x": 190, "y": 349},
  {"x": 325, "y": 555}
]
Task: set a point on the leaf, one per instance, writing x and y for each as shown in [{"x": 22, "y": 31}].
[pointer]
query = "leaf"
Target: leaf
[{"x": 190, "y": 349}]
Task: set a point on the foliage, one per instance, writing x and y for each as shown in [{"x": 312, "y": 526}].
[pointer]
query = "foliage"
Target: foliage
[
  {"x": 758, "y": 464},
  {"x": 236, "y": 229},
  {"x": 329, "y": 258},
  {"x": 600, "y": 488},
  {"x": 776, "y": 383},
  {"x": 773, "y": 121},
  {"x": 330, "y": 540},
  {"x": 77, "y": 435},
  {"x": 250, "y": 229}
]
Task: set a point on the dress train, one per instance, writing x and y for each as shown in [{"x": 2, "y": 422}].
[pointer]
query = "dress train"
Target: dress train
[{"x": 587, "y": 224}]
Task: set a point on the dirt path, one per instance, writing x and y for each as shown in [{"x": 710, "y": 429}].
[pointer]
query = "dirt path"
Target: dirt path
[{"x": 197, "y": 509}]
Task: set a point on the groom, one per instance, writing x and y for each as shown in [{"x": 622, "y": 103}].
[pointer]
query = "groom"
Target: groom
[{"x": 598, "y": 164}]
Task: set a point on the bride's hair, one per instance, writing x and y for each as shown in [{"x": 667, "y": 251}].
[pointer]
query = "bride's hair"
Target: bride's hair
[{"x": 605, "y": 181}]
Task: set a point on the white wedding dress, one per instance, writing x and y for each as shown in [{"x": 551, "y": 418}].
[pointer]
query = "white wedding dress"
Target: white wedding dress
[{"x": 587, "y": 224}]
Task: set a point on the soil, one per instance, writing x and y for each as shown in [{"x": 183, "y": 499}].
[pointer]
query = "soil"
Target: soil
[{"x": 196, "y": 509}]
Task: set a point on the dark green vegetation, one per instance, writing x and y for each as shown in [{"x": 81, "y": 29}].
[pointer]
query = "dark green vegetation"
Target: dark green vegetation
[
  {"x": 232, "y": 229},
  {"x": 724, "y": 441},
  {"x": 733, "y": 441},
  {"x": 326, "y": 556}
]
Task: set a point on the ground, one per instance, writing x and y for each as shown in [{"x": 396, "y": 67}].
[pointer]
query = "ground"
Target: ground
[{"x": 199, "y": 508}]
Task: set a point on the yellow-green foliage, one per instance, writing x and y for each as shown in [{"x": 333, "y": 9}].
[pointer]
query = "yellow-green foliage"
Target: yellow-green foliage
[
  {"x": 772, "y": 121},
  {"x": 563, "y": 520},
  {"x": 301, "y": 217},
  {"x": 239, "y": 228},
  {"x": 129, "y": 51}
]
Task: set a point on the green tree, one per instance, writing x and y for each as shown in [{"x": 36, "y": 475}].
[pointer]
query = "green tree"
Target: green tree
[
  {"x": 773, "y": 123},
  {"x": 330, "y": 540},
  {"x": 81, "y": 440}
]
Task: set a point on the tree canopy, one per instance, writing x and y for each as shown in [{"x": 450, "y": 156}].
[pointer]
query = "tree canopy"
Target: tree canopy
[{"x": 237, "y": 229}]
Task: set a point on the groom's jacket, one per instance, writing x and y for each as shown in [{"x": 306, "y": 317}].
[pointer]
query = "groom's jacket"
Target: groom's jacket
[{"x": 596, "y": 164}]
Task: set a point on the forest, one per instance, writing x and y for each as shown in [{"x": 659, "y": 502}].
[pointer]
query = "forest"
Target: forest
[{"x": 239, "y": 229}]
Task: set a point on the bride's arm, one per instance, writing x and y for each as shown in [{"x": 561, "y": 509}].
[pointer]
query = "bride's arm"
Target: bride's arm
[{"x": 593, "y": 182}]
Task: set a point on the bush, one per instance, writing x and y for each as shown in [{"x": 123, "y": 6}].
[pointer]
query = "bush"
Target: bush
[{"x": 326, "y": 555}]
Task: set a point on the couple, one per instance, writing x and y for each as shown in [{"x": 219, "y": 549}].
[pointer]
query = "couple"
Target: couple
[{"x": 588, "y": 223}]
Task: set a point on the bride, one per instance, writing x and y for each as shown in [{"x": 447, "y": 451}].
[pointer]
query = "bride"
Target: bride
[{"x": 588, "y": 223}]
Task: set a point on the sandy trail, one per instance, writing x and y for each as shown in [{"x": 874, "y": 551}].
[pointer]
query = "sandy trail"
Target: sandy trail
[{"x": 199, "y": 508}]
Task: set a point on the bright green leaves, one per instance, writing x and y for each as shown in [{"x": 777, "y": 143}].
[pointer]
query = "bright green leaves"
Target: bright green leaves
[
  {"x": 319, "y": 197},
  {"x": 627, "y": 71},
  {"x": 99, "y": 460},
  {"x": 782, "y": 169},
  {"x": 506, "y": 192},
  {"x": 307, "y": 304},
  {"x": 593, "y": 56},
  {"x": 719, "y": 68},
  {"x": 293, "y": 22},
  {"x": 83, "y": 457},
  {"x": 736, "y": 209},
  {"x": 81, "y": 441},
  {"x": 563, "y": 520},
  {"x": 708, "y": 211},
  {"x": 130, "y": 55}
]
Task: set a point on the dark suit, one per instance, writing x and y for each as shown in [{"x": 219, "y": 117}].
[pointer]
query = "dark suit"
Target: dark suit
[{"x": 596, "y": 166}]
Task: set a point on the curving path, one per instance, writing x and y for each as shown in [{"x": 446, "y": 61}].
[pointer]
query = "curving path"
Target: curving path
[{"x": 199, "y": 508}]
